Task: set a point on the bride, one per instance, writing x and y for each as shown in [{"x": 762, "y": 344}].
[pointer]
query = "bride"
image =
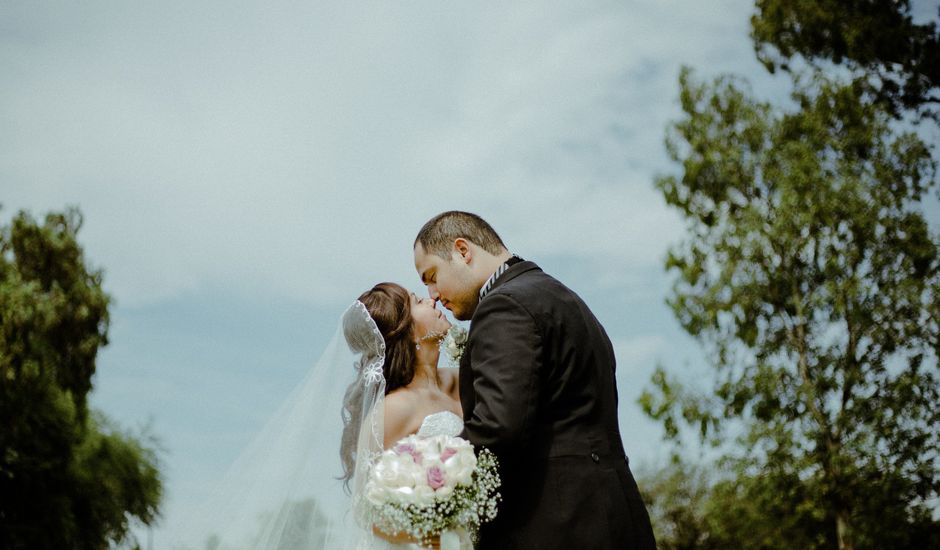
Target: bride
[
  {"x": 415, "y": 389},
  {"x": 377, "y": 382},
  {"x": 419, "y": 398}
]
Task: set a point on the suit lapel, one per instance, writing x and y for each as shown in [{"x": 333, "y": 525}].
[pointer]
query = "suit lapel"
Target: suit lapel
[
  {"x": 467, "y": 397},
  {"x": 510, "y": 274}
]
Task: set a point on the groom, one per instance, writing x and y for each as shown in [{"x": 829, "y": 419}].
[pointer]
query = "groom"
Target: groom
[{"x": 537, "y": 388}]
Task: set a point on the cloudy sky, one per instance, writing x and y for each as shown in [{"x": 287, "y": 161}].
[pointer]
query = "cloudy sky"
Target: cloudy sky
[{"x": 247, "y": 169}]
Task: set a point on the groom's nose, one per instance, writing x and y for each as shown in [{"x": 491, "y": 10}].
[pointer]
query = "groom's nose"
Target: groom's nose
[{"x": 434, "y": 294}]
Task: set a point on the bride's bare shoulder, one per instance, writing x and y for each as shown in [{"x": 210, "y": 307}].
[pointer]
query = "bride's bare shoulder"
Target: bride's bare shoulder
[
  {"x": 400, "y": 415},
  {"x": 399, "y": 404}
]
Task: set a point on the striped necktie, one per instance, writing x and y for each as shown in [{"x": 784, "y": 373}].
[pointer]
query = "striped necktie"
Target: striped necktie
[{"x": 496, "y": 275}]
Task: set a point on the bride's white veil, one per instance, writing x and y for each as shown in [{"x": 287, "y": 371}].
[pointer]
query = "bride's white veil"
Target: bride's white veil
[{"x": 298, "y": 486}]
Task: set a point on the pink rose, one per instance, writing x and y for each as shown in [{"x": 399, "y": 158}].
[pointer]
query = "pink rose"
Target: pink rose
[
  {"x": 448, "y": 452},
  {"x": 435, "y": 477},
  {"x": 403, "y": 448},
  {"x": 409, "y": 449}
]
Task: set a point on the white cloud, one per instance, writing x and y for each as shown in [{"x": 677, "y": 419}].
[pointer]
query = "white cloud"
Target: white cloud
[{"x": 296, "y": 150}]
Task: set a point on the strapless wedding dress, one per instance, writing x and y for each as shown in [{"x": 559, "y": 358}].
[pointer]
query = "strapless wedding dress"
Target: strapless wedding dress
[{"x": 439, "y": 423}]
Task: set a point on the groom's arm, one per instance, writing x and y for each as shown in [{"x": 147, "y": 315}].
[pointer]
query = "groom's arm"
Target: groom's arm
[{"x": 506, "y": 359}]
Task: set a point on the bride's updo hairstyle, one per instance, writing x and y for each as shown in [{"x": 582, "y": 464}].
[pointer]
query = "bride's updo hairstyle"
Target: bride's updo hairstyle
[{"x": 389, "y": 306}]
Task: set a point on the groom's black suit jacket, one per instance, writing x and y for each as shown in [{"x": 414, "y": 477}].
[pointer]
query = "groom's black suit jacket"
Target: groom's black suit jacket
[{"x": 537, "y": 388}]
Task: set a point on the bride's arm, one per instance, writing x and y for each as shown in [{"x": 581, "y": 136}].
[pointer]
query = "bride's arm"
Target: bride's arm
[{"x": 402, "y": 538}]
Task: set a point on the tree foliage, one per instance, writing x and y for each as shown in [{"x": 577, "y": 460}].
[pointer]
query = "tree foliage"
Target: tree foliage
[
  {"x": 813, "y": 280},
  {"x": 878, "y": 37},
  {"x": 697, "y": 508},
  {"x": 67, "y": 478}
]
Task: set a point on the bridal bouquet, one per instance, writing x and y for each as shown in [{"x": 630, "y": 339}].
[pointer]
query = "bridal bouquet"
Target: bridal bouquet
[{"x": 428, "y": 486}]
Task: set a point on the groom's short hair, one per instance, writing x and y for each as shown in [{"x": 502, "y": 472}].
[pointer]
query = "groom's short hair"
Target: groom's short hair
[{"x": 438, "y": 235}]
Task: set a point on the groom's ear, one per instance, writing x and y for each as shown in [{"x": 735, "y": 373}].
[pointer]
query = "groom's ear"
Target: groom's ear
[{"x": 462, "y": 250}]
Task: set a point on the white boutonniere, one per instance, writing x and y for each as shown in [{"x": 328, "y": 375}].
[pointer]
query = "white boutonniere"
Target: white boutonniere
[{"x": 454, "y": 343}]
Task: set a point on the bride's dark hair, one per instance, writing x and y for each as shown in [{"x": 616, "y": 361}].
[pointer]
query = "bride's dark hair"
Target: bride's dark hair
[{"x": 389, "y": 305}]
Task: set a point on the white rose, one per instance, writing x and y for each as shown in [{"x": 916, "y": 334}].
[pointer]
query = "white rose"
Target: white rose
[
  {"x": 464, "y": 476},
  {"x": 431, "y": 453},
  {"x": 395, "y": 471},
  {"x": 467, "y": 458},
  {"x": 382, "y": 474},
  {"x": 375, "y": 494},
  {"x": 460, "y": 444},
  {"x": 423, "y": 495},
  {"x": 418, "y": 478},
  {"x": 403, "y": 495},
  {"x": 460, "y": 469}
]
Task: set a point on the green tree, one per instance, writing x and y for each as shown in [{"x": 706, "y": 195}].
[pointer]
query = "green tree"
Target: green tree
[
  {"x": 812, "y": 279},
  {"x": 693, "y": 507},
  {"x": 676, "y": 498},
  {"x": 879, "y": 38},
  {"x": 67, "y": 478}
]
